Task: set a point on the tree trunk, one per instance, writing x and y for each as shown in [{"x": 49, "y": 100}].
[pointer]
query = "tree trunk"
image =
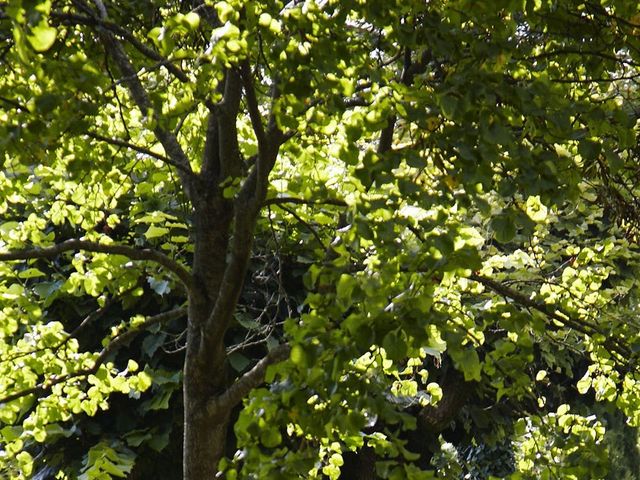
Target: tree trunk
[
  {"x": 204, "y": 435},
  {"x": 205, "y": 368}
]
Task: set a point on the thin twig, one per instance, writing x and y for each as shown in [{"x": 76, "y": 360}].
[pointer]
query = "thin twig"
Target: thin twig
[
  {"x": 122, "y": 143},
  {"x": 305, "y": 223}
]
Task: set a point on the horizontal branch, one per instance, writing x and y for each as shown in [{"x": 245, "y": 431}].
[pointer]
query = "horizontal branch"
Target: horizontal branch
[
  {"x": 85, "y": 245},
  {"x": 14, "y": 103},
  {"x": 250, "y": 380},
  {"x": 112, "y": 346},
  {"x": 303, "y": 201},
  {"x": 583, "y": 53}
]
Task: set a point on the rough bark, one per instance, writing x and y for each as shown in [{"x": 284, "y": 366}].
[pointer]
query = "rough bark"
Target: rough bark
[{"x": 205, "y": 369}]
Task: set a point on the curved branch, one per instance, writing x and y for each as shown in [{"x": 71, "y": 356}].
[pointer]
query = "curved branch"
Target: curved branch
[
  {"x": 117, "y": 341},
  {"x": 130, "y": 252},
  {"x": 250, "y": 380}
]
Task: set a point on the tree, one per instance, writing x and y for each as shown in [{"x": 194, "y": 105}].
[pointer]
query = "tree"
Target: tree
[{"x": 456, "y": 180}]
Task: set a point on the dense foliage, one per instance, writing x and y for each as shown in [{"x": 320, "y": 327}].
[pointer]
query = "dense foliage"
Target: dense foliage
[{"x": 314, "y": 239}]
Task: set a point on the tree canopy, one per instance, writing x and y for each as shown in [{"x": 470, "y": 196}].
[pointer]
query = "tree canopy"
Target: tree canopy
[{"x": 318, "y": 239}]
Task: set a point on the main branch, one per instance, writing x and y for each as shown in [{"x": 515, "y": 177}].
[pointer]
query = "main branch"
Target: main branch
[
  {"x": 130, "y": 252},
  {"x": 252, "y": 104}
]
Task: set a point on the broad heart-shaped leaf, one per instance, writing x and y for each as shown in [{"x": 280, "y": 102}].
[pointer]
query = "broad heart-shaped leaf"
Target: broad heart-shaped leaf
[
  {"x": 270, "y": 437},
  {"x": 395, "y": 345},
  {"x": 449, "y": 105},
  {"x": 154, "y": 232},
  {"x": 504, "y": 228},
  {"x": 468, "y": 362},
  {"x": 238, "y": 361},
  {"x": 42, "y": 37}
]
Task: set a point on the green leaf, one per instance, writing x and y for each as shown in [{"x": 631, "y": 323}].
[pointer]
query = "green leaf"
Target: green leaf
[
  {"x": 344, "y": 289},
  {"x": 504, "y": 228},
  {"x": 584, "y": 384},
  {"x": 42, "y": 37},
  {"x": 395, "y": 346},
  {"x": 449, "y": 105},
  {"x": 31, "y": 273},
  {"x": 191, "y": 20},
  {"x": 154, "y": 232},
  {"x": 468, "y": 362},
  {"x": 239, "y": 362},
  {"x": 298, "y": 355},
  {"x": 535, "y": 209},
  {"x": 270, "y": 438}
]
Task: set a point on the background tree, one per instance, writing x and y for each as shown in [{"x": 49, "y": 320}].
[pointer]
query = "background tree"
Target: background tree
[{"x": 455, "y": 181}]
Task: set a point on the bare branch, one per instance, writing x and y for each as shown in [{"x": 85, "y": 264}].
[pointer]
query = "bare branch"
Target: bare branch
[
  {"x": 305, "y": 224},
  {"x": 386, "y": 135},
  {"x": 15, "y": 104},
  {"x": 130, "y": 252},
  {"x": 115, "y": 343},
  {"x": 250, "y": 380}
]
